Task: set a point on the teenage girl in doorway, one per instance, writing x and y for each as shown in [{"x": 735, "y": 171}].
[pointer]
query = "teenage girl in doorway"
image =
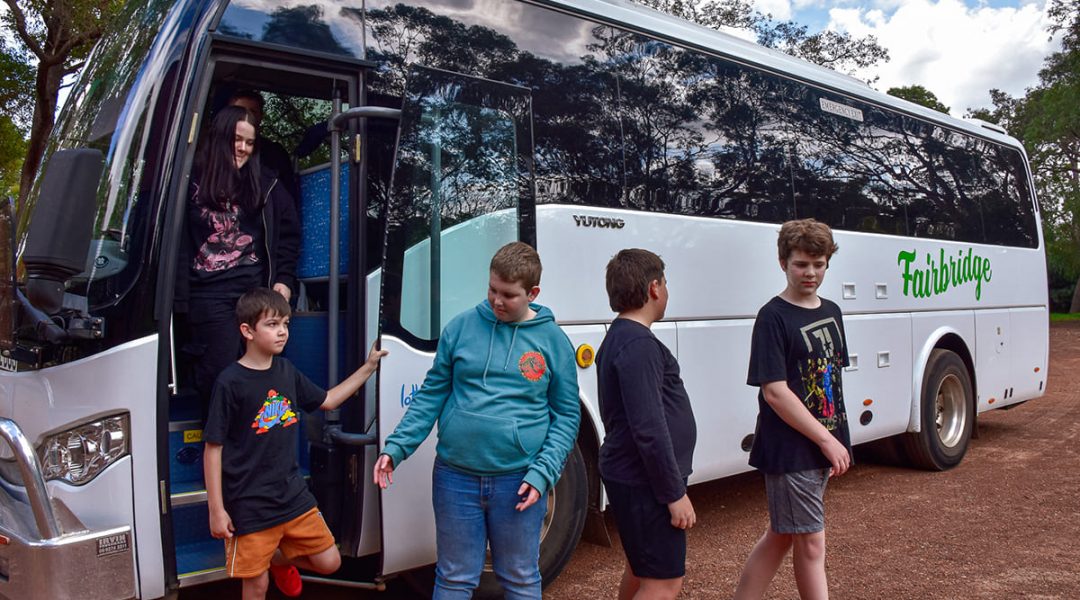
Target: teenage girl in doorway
[{"x": 242, "y": 232}]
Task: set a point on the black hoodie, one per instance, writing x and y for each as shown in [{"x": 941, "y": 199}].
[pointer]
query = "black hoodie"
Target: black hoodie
[{"x": 280, "y": 241}]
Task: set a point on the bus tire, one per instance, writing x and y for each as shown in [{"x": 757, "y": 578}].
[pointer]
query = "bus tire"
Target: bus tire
[
  {"x": 568, "y": 504},
  {"x": 948, "y": 414}
]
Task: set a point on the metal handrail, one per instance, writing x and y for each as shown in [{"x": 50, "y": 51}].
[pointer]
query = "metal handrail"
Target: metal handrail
[
  {"x": 32, "y": 478},
  {"x": 337, "y": 122}
]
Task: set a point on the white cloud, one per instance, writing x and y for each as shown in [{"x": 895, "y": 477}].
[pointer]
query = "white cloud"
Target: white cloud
[
  {"x": 743, "y": 34},
  {"x": 955, "y": 51},
  {"x": 779, "y": 9}
]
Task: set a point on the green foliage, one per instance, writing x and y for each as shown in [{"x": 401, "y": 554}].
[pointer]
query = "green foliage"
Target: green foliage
[
  {"x": 1047, "y": 120},
  {"x": 16, "y": 109},
  {"x": 12, "y": 151},
  {"x": 919, "y": 95},
  {"x": 57, "y": 35},
  {"x": 16, "y": 84},
  {"x": 835, "y": 50}
]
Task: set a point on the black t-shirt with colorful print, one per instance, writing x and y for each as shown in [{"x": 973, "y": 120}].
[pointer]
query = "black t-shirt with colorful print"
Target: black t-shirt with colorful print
[
  {"x": 807, "y": 348},
  {"x": 228, "y": 249},
  {"x": 254, "y": 416}
]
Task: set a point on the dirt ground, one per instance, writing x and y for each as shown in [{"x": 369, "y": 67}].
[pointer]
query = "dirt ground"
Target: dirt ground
[{"x": 1004, "y": 524}]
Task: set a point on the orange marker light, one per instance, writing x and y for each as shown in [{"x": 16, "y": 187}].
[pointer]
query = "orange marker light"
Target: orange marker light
[
  {"x": 867, "y": 402},
  {"x": 991, "y": 401},
  {"x": 585, "y": 356},
  {"x": 1036, "y": 369}
]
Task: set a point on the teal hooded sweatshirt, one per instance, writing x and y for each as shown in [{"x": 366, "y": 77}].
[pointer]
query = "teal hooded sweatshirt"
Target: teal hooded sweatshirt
[{"x": 505, "y": 396}]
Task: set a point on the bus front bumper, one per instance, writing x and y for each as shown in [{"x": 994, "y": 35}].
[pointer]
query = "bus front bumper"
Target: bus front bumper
[{"x": 45, "y": 551}]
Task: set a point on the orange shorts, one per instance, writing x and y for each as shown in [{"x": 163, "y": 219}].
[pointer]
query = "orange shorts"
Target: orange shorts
[{"x": 249, "y": 555}]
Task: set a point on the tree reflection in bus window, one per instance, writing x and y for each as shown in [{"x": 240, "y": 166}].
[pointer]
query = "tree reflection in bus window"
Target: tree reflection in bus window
[
  {"x": 464, "y": 196},
  {"x": 627, "y": 121}
]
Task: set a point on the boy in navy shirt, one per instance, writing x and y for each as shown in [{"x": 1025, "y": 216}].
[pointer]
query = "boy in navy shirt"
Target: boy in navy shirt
[{"x": 646, "y": 456}]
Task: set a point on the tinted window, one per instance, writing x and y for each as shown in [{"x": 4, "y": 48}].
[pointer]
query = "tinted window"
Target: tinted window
[
  {"x": 461, "y": 180},
  {"x": 319, "y": 28},
  {"x": 623, "y": 120}
]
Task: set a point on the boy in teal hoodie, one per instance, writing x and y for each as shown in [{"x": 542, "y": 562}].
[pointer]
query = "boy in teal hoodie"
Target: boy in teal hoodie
[{"x": 503, "y": 389}]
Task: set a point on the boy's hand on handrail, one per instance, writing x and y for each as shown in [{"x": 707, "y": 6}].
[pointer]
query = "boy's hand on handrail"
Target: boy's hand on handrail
[
  {"x": 375, "y": 355},
  {"x": 383, "y": 474}
]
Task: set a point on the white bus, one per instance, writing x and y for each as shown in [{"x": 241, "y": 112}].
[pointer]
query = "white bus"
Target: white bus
[{"x": 580, "y": 126}]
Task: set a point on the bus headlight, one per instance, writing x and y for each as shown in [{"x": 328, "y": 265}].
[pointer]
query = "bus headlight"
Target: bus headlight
[{"x": 78, "y": 454}]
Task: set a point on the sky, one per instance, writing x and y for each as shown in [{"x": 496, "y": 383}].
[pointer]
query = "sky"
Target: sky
[{"x": 957, "y": 49}]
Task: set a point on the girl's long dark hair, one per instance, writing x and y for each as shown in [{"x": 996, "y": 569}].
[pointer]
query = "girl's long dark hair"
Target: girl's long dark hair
[{"x": 220, "y": 182}]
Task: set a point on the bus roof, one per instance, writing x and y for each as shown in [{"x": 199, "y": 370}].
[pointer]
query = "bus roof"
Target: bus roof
[{"x": 635, "y": 16}]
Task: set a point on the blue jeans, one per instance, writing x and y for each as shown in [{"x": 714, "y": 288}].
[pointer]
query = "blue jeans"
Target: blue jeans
[{"x": 472, "y": 511}]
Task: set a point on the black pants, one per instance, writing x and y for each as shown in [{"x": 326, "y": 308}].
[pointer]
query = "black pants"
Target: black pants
[{"x": 215, "y": 342}]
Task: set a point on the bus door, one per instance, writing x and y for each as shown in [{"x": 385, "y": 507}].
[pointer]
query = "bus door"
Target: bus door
[
  {"x": 314, "y": 110},
  {"x": 461, "y": 188}
]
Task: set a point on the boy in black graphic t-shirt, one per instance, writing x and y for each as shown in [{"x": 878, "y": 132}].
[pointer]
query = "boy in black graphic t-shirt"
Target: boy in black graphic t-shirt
[
  {"x": 257, "y": 499},
  {"x": 797, "y": 353}
]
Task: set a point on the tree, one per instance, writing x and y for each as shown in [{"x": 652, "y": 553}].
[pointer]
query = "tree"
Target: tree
[
  {"x": 58, "y": 34},
  {"x": 919, "y": 95},
  {"x": 16, "y": 100},
  {"x": 12, "y": 151},
  {"x": 837, "y": 51},
  {"x": 1047, "y": 120}
]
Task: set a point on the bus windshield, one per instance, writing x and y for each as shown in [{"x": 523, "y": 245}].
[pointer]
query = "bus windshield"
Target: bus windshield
[{"x": 107, "y": 110}]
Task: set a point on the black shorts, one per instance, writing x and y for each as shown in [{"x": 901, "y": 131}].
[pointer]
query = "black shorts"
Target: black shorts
[{"x": 654, "y": 549}]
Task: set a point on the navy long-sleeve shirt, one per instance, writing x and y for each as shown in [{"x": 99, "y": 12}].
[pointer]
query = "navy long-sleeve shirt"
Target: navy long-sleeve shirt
[{"x": 646, "y": 412}]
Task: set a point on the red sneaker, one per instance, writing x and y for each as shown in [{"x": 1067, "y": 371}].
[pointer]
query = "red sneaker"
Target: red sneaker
[{"x": 287, "y": 579}]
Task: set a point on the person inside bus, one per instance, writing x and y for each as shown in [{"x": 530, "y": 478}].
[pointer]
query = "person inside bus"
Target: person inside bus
[
  {"x": 504, "y": 390},
  {"x": 650, "y": 431},
  {"x": 273, "y": 156},
  {"x": 257, "y": 498},
  {"x": 242, "y": 232},
  {"x": 797, "y": 353}
]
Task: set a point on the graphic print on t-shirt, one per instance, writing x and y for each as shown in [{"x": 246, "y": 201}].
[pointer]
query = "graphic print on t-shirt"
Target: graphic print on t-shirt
[
  {"x": 228, "y": 245},
  {"x": 275, "y": 410},
  {"x": 821, "y": 372}
]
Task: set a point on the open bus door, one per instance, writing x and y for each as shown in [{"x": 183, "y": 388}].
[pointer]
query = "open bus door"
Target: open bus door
[{"x": 461, "y": 189}]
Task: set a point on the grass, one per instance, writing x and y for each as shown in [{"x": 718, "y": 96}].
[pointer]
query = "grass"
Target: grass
[{"x": 1057, "y": 317}]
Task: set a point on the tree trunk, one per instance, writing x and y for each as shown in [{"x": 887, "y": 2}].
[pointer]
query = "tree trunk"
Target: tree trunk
[
  {"x": 1075, "y": 306},
  {"x": 46, "y": 90}
]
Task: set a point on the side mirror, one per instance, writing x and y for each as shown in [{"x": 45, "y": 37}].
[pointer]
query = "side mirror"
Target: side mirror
[{"x": 59, "y": 235}]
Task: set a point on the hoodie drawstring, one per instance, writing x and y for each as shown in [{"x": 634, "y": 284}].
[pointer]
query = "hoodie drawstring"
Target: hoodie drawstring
[
  {"x": 510, "y": 350},
  {"x": 491, "y": 345}
]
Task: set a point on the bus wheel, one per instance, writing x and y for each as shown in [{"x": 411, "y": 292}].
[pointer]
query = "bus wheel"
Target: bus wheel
[
  {"x": 568, "y": 505},
  {"x": 948, "y": 414}
]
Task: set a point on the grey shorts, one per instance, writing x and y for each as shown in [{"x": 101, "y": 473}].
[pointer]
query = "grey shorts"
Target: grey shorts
[{"x": 797, "y": 501}]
